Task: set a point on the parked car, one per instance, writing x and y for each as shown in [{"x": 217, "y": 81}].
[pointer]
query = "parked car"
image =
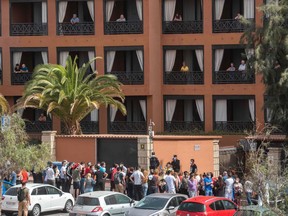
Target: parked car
[
  {"x": 102, "y": 203},
  {"x": 44, "y": 198},
  {"x": 254, "y": 210},
  {"x": 207, "y": 205},
  {"x": 157, "y": 204}
]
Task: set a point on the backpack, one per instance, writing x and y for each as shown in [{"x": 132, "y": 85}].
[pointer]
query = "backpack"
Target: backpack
[
  {"x": 21, "y": 194},
  {"x": 117, "y": 178}
]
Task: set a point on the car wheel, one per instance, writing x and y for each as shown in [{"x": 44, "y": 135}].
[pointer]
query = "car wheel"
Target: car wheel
[
  {"x": 36, "y": 210},
  {"x": 68, "y": 206},
  {"x": 106, "y": 215}
]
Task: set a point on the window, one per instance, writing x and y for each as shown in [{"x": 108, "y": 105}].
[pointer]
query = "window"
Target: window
[
  {"x": 121, "y": 199},
  {"x": 110, "y": 200},
  {"x": 192, "y": 207},
  {"x": 87, "y": 201},
  {"x": 41, "y": 191},
  {"x": 217, "y": 206},
  {"x": 52, "y": 190},
  {"x": 180, "y": 199},
  {"x": 229, "y": 205},
  {"x": 173, "y": 202},
  {"x": 34, "y": 192}
]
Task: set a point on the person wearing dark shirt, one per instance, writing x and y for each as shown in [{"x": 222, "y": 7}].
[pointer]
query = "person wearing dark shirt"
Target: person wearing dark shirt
[
  {"x": 193, "y": 166},
  {"x": 175, "y": 164},
  {"x": 17, "y": 68},
  {"x": 100, "y": 178}
]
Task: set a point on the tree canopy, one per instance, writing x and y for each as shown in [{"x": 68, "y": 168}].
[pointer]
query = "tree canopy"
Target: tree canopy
[
  {"x": 71, "y": 93},
  {"x": 4, "y": 106}
]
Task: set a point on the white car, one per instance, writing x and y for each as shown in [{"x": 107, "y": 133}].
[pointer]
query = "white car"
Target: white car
[
  {"x": 102, "y": 203},
  {"x": 44, "y": 198}
]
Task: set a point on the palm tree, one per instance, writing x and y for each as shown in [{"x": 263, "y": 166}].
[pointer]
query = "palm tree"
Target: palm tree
[
  {"x": 4, "y": 106},
  {"x": 69, "y": 93}
]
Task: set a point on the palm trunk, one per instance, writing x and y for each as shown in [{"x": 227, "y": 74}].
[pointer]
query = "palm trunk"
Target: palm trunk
[{"x": 73, "y": 128}]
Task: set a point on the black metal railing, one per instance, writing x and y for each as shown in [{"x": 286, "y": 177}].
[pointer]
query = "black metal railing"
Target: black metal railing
[
  {"x": 234, "y": 126},
  {"x": 127, "y": 27},
  {"x": 233, "y": 77},
  {"x": 28, "y": 29},
  {"x": 229, "y": 25},
  {"x": 183, "y": 126},
  {"x": 123, "y": 127},
  {"x": 182, "y": 27},
  {"x": 129, "y": 78},
  {"x": 20, "y": 78},
  {"x": 89, "y": 127},
  {"x": 81, "y": 28},
  {"x": 184, "y": 78},
  {"x": 37, "y": 126}
]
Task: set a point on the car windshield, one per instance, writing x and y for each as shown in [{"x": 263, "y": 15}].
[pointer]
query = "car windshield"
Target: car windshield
[
  {"x": 12, "y": 191},
  {"x": 88, "y": 201},
  {"x": 192, "y": 207},
  {"x": 153, "y": 203}
]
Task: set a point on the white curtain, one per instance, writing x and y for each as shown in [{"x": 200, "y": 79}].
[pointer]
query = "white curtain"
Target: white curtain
[
  {"x": 109, "y": 9},
  {"x": 218, "y": 58},
  {"x": 44, "y": 57},
  {"x": 91, "y": 55},
  {"x": 200, "y": 58},
  {"x": 249, "y": 53},
  {"x": 200, "y": 108},
  {"x": 90, "y": 5},
  {"x": 219, "y": 5},
  {"x": 94, "y": 115},
  {"x": 249, "y": 9},
  {"x": 139, "y": 6},
  {"x": 63, "y": 57},
  {"x": 110, "y": 60},
  {"x": 139, "y": 54},
  {"x": 169, "y": 9},
  {"x": 170, "y": 108},
  {"x": 221, "y": 110},
  {"x": 268, "y": 114},
  {"x": 143, "y": 107},
  {"x": 44, "y": 12},
  {"x": 62, "y": 11},
  {"x": 252, "y": 109},
  {"x": 113, "y": 112},
  {"x": 170, "y": 56},
  {"x": 16, "y": 58}
]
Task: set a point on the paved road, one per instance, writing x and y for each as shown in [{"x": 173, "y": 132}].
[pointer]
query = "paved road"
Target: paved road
[{"x": 54, "y": 213}]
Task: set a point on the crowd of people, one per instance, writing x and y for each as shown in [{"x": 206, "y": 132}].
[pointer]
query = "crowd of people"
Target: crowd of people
[{"x": 137, "y": 182}]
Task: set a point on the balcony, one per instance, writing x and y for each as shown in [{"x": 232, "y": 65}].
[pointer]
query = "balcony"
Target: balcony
[
  {"x": 229, "y": 26},
  {"x": 81, "y": 28},
  {"x": 28, "y": 29},
  {"x": 183, "y": 126},
  {"x": 183, "y": 78},
  {"x": 233, "y": 77},
  {"x": 129, "y": 78},
  {"x": 127, "y": 27},
  {"x": 182, "y": 27},
  {"x": 234, "y": 126},
  {"x": 20, "y": 78},
  {"x": 119, "y": 127},
  {"x": 90, "y": 127},
  {"x": 37, "y": 126}
]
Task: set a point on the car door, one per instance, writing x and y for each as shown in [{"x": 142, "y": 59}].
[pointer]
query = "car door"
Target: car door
[
  {"x": 112, "y": 206},
  {"x": 230, "y": 207},
  {"x": 217, "y": 208},
  {"x": 124, "y": 201},
  {"x": 39, "y": 196},
  {"x": 55, "y": 198},
  {"x": 172, "y": 203}
]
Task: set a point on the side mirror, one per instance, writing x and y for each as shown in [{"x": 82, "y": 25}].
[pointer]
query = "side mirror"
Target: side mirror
[
  {"x": 170, "y": 208},
  {"x": 132, "y": 202}
]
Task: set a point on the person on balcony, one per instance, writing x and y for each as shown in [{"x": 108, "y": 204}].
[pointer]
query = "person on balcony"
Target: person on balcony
[
  {"x": 17, "y": 68},
  {"x": 238, "y": 17},
  {"x": 242, "y": 66},
  {"x": 184, "y": 67},
  {"x": 24, "y": 68},
  {"x": 42, "y": 118},
  {"x": 177, "y": 17},
  {"x": 74, "y": 19},
  {"x": 121, "y": 18},
  {"x": 232, "y": 67}
]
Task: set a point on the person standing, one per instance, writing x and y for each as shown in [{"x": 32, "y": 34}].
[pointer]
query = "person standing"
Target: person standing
[
  {"x": 238, "y": 190},
  {"x": 184, "y": 184},
  {"x": 119, "y": 181},
  {"x": 248, "y": 187},
  {"x": 100, "y": 178},
  {"x": 192, "y": 186},
  {"x": 208, "y": 185},
  {"x": 175, "y": 164},
  {"x": 130, "y": 191},
  {"x": 63, "y": 176},
  {"x": 137, "y": 179},
  {"x": 88, "y": 183},
  {"x": 76, "y": 177},
  {"x": 23, "y": 199},
  {"x": 171, "y": 182},
  {"x": 50, "y": 175},
  {"x": 153, "y": 182},
  {"x": 193, "y": 167},
  {"x": 229, "y": 187},
  {"x": 154, "y": 162}
]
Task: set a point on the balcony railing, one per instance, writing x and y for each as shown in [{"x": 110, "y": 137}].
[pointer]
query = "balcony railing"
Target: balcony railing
[
  {"x": 29, "y": 29},
  {"x": 89, "y": 127},
  {"x": 182, "y": 27},
  {"x": 233, "y": 77},
  {"x": 130, "y": 78},
  {"x": 82, "y": 28},
  {"x": 234, "y": 126},
  {"x": 184, "y": 78},
  {"x": 37, "y": 126},
  {"x": 229, "y": 25},
  {"x": 20, "y": 78},
  {"x": 127, "y": 127},
  {"x": 183, "y": 126},
  {"x": 127, "y": 27}
]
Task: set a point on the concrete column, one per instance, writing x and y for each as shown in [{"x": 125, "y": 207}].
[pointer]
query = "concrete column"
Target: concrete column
[
  {"x": 216, "y": 157},
  {"x": 274, "y": 159},
  {"x": 145, "y": 146},
  {"x": 48, "y": 137}
]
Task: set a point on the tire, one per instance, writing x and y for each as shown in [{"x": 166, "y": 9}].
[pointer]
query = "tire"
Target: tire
[
  {"x": 36, "y": 211},
  {"x": 68, "y": 206}
]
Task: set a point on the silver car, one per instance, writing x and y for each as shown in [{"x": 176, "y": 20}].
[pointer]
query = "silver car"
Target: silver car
[
  {"x": 102, "y": 203},
  {"x": 158, "y": 204}
]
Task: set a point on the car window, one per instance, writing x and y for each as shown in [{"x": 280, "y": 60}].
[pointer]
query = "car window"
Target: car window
[
  {"x": 121, "y": 199},
  {"x": 218, "y": 206},
  {"x": 180, "y": 199},
  {"x": 152, "y": 203},
  {"x": 12, "y": 191},
  {"x": 228, "y": 205},
  {"x": 41, "y": 191},
  {"x": 173, "y": 202},
  {"x": 34, "y": 192},
  {"x": 192, "y": 207},
  {"x": 110, "y": 200},
  {"x": 87, "y": 201},
  {"x": 52, "y": 190}
]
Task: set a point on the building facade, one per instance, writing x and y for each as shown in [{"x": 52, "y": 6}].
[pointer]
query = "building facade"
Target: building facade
[{"x": 146, "y": 52}]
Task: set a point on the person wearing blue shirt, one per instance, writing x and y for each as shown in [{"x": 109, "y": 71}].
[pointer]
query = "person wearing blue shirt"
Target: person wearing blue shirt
[
  {"x": 208, "y": 185},
  {"x": 74, "y": 19},
  {"x": 13, "y": 178},
  {"x": 24, "y": 68}
]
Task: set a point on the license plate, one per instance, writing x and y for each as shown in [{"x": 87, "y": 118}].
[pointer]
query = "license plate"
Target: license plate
[{"x": 10, "y": 203}]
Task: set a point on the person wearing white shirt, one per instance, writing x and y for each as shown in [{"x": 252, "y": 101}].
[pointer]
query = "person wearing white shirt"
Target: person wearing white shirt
[
  {"x": 242, "y": 66},
  {"x": 229, "y": 187},
  {"x": 50, "y": 175},
  {"x": 171, "y": 182},
  {"x": 137, "y": 178}
]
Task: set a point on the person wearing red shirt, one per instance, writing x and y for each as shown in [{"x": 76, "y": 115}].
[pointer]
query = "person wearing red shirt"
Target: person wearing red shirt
[{"x": 24, "y": 175}]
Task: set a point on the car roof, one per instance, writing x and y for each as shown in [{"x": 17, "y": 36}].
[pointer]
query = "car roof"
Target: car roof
[
  {"x": 97, "y": 194},
  {"x": 205, "y": 199},
  {"x": 165, "y": 195},
  {"x": 32, "y": 185}
]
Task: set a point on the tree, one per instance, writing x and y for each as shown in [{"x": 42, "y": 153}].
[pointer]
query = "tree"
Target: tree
[
  {"x": 15, "y": 151},
  {"x": 4, "y": 106},
  {"x": 70, "y": 94},
  {"x": 270, "y": 42}
]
